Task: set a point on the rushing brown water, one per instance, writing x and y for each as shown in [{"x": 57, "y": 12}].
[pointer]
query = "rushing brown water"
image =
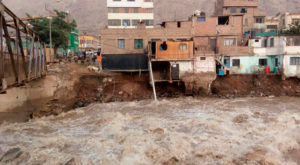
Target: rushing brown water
[{"x": 177, "y": 131}]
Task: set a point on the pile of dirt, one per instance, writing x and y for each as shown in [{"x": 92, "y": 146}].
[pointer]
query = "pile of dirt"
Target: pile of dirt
[{"x": 255, "y": 85}]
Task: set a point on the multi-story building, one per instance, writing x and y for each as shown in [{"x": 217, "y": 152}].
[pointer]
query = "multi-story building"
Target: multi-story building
[
  {"x": 128, "y": 13},
  {"x": 88, "y": 43},
  {"x": 253, "y": 18},
  {"x": 287, "y": 19},
  {"x": 272, "y": 24}
]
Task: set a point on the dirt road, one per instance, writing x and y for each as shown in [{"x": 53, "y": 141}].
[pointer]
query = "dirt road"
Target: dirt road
[{"x": 250, "y": 131}]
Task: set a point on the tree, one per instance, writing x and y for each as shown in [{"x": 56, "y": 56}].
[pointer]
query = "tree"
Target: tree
[
  {"x": 60, "y": 29},
  {"x": 294, "y": 29}
]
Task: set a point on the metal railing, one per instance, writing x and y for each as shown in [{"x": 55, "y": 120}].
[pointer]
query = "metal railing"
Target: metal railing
[{"x": 19, "y": 62}]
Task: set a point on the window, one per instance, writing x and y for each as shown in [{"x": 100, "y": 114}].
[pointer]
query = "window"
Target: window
[
  {"x": 272, "y": 42},
  {"x": 264, "y": 44},
  {"x": 263, "y": 62},
  {"x": 202, "y": 58},
  {"x": 148, "y": 22},
  {"x": 149, "y": 10},
  {"x": 135, "y": 22},
  {"x": 121, "y": 43},
  {"x": 178, "y": 24},
  {"x": 201, "y": 19},
  {"x": 293, "y": 42},
  {"x": 243, "y": 10},
  {"x": 113, "y": 10},
  {"x": 114, "y": 22},
  {"x": 272, "y": 27},
  {"x": 223, "y": 20},
  {"x": 135, "y": 10},
  {"x": 163, "y": 46},
  {"x": 126, "y": 22},
  {"x": 182, "y": 47},
  {"x": 138, "y": 44},
  {"x": 259, "y": 20},
  {"x": 126, "y": 10},
  {"x": 233, "y": 10},
  {"x": 229, "y": 42},
  {"x": 295, "y": 61},
  {"x": 236, "y": 62}
]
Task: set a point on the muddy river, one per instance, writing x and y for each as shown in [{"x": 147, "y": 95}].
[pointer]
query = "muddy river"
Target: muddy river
[{"x": 176, "y": 131}]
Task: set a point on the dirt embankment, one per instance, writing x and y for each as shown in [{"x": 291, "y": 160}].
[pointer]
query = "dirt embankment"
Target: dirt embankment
[
  {"x": 255, "y": 85},
  {"x": 118, "y": 87}
]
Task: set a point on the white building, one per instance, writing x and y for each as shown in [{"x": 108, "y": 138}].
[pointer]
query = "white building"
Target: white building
[
  {"x": 287, "y": 19},
  {"x": 128, "y": 13},
  {"x": 279, "y": 51}
]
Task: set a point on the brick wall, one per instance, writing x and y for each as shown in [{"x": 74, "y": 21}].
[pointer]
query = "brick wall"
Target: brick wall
[{"x": 171, "y": 31}]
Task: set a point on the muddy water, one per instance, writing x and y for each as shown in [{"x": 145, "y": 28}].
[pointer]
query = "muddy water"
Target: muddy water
[{"x": 176, "y": 131}]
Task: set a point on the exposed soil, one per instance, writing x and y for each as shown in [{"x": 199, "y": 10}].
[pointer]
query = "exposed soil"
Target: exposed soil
[
  {"x": 112, "y": 87},
  {"x": 255, "y": 85},
  {"x": 71, "y": 86}
]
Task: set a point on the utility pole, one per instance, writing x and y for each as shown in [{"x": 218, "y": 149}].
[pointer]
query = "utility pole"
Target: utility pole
[{"x": 50, "y": 35}]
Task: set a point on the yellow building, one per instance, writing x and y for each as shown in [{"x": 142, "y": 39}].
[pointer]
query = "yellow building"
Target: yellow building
[{"x": 88, "y": 43}]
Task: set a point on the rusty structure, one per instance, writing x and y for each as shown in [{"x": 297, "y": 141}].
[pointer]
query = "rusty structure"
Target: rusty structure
[{"x": 22, "y": 52}]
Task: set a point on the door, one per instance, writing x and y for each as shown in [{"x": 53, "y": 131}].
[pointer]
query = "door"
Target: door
[
  {"x": 213, "y": 45},
  {"x": 175, "y": 71},
  {"x": 227, "y": 61}
]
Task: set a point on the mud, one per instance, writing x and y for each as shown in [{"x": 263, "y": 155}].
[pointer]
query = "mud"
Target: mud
[
  {"x": 255, "y": 85},
  {"x": 174, "y": 131}
]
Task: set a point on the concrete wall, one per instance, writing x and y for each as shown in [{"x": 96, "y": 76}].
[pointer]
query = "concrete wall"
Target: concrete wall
[
  {"x": 204, "y": 64},
  {"x": 250, "y": 64},
  {"x": 290, "y": 70},
  {"x": 185, "y": 67}
]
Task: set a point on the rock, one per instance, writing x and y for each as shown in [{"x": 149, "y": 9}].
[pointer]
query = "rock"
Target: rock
[
  {"x": 240, "y": 118},
  {"x": 70, "y": 162},
  {"x": 15, "y": 156}
]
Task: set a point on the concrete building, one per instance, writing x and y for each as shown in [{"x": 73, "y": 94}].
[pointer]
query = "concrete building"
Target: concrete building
[
  {"x": 272, "y": 24},
  {"x": 253, "y": 18},
  {"x": 287, "y": 19},
  {"x": 128, "y": 13},
  {"x": 88, "y": 43}
]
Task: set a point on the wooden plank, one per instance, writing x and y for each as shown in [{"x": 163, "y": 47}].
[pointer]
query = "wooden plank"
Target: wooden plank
[
  {"x": 7, "y": 38},
  {"x": 19, "y": 40}
]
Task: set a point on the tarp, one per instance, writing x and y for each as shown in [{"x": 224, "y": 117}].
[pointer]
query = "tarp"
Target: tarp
[
  {"x": 267, "y": 34},
  {"x": 125, "y": 62}
]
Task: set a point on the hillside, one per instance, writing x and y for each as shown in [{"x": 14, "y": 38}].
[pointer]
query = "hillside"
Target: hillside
[{"x": 91, "y": 14}]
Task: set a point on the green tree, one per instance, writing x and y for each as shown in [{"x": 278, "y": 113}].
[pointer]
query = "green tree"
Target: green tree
[
  {"x": 294, "y": 29},
  {"x": 60, "y": 29}
]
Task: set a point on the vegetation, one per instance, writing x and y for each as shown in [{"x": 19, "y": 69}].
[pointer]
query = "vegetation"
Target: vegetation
[
  {"x": 60, "y": 29},
  {"x": 294, "y": 29}
]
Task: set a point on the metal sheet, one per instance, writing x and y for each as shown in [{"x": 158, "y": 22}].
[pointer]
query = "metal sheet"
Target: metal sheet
[{"x": 125, "y": 62}]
